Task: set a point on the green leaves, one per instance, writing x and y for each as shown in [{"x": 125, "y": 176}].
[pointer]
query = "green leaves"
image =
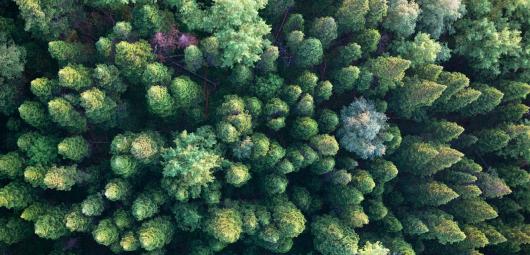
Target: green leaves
[
  {"x": 133, "y": 58},
  {"x": 309, "y": 53},
  {"x": 225, "y": 225},
  {"x": 61, "y": 178},
  {"x": 12, "y": 60},
  {"x": 331, "y": 237},
  {"x": 190, "y": 164},
  {"x": 402, "y": 17},
  {"x": 186, "y": 92},
  {"x": 232, "y": 126},
  {"x": 74, "y": 148},
  {"x": 63, "y": 113},
  {"x": 16, "y": 195},
  {"x": 156, "y": 233},
  {"x": 235, "y": 25}
]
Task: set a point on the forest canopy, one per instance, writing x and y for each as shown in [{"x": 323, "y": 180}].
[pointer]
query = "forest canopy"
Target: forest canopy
[{"x": 202, "y": 127}]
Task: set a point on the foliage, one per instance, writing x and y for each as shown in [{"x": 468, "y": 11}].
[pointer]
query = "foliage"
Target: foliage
[
  {"x": 402, "y": 17},
  {"x": 360, "y": 127},
  {"x": 235, "y": 25}
]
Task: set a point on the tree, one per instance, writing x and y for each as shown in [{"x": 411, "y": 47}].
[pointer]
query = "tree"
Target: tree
[
  {"x": 414, "y": 95},
  {"x": 160, "y": 102},
  {"x": 423, "y": 50},
  {"x": 344, "y": 79},
  {"x": 124, "y": 165},
  {"x": 305, "y": 105},
  {"x": 190, "y": 164},
  {"x": 332, "y": 237},
  {"x": 304, "y": 128},
  {"x": 98, "y": 106},
  {"x": 289, "y": 219},
  {"x": 155, "y": 233},
  {"x": 430, "y": 193},
  {"x": 11, "y": 165},
  {"x": 13, "y": 230},
  {"x": 16, "y": 195},
  {"x": 133, "y": 58},
  {"x": 74, "y": 148},
  {"x": 347, "y": 54},
  {"x": 69, "y": 52},
  {"x": 50, "y": 225},
  {"x": 107, "y": 78},
  {"x": 237, "y": 175},
  {"x": 267, "y": 62},
  {"x": 145, "y": 147},
  {"x": 489, "y": 98},
  {"x": 457, "y": 95},
  {"x": 34, "y": 113},
  {"x": 147, "y": 19},
  {"x": 490, "y": 140},
  {"x": 186, "y": 92},
  {"x": 156, "y": 74},
  {"x": 276, "y": 112},
  {"x": 12, "y": 60},
  {"x": 382, "y": 170},
  {"x": 327, "y": 121},
  {"x": 514, "y": 91},
  {"x": 61, "y": 178},
  {"x": 48, "y": 19},
  {"x": 308, "y": 53},
  {"x": 325, "y": 145},
  {"x": 443, "y": 131},
  {"x": 236, "y": 120},
  {"x": 472, "y": 210},
  {"x": 106, "y": 233},
  {"x": 351, "y": 14},
  {"x": 10, "y": 95},
  {"x": 193, "y": 58},
  {"x": 442, "y": 226},
  {"x": 373, "y": 249},
  {"x": 484, "y": 45},
  {"x": 63, "y": 113},
  {"x": 437, "y": 17},
  {"x": 129, "y": 242},
  {"x": 76, "y": 77},
  {"x": 368, "y": 40},
  {"x": 93, "y": 205},
  {"x": 389, "y": 71},
  {"x": 363, "y": 181},
  {"x": 38, "y": 148},
  {"x": 274, "y": 184},
  {"x": 43, "y": 88},
  {"x": 492, "y": 186},
  {"x": 224, "y": 225},
  {"x": 474, "y": 238},
  {"x": 402, "y": 17},
  {"x": 148, "y": 203},
  {"x": 76, "y": 221},
  {"x": 325, "y": 30},
  {"x": 519, "y": 139},
  {"x": 378, "y": 10},
  {"x": 235, "y": 24},
  {"x": 362, "y": 129},
  {"x": 117, "y": 189},
  {"x": 424, "y": 159}
]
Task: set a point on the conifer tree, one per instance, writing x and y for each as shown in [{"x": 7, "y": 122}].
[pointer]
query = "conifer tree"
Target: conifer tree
[{"x": 253, "y": 127}]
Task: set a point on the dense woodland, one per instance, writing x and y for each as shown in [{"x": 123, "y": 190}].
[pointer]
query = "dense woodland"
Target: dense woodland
[{"x": 201, "y": 127}]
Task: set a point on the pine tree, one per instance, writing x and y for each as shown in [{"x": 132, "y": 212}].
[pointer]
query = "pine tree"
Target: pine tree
[{"x": 332, "y": 237}]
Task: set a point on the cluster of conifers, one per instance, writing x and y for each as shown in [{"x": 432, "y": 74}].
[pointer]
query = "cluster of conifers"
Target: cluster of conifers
[{"x": 346, "y": 127}]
